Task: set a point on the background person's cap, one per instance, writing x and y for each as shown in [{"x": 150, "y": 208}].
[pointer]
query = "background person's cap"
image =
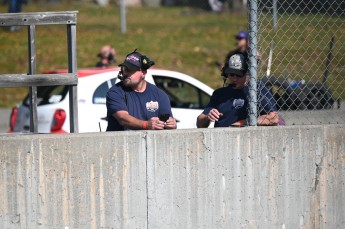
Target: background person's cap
[
  {"x": 242, "y": 35},
  {"x": 132, "y": 61},
  {"x": 236, "y": 65}
]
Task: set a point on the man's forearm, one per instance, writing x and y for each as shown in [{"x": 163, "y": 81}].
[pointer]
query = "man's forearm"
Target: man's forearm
[
  {"x": 129, "y": 121},
  {"x": 270, "y": 119},
  {"x": 202, "y": 121}
]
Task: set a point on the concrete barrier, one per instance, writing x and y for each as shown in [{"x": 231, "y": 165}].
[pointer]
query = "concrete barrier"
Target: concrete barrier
[
  {"x": 279, "y": 177},
  {"x": 73, "y": 181}
]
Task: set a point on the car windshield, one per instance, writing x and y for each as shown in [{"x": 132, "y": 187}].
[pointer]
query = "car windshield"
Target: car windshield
[{"x": 48, "y": 95}]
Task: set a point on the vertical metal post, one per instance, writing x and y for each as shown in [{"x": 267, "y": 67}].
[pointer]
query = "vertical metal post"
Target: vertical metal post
[
  {"x": 32, "y": 71},
  {"x": 275, "y": 20},
  {"x": 123, "y": 17},
  {"x": 72, "y": 68},
  {"x": 328, "y": 60},
  {"x": 253, "y": 42}
]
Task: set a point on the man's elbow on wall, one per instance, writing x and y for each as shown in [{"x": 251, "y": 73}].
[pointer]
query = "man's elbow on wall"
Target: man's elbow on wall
[
  {"x": 120, "y": 119},
  {"x": 275, "y": 118},
  {"x": 200, "y": 122}
]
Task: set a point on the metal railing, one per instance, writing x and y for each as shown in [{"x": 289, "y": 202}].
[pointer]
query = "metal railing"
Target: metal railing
[{"x": 32, "y": 79}]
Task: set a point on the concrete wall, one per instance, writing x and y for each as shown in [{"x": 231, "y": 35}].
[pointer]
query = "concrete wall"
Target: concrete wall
[
  {"x": 4, "y": 120},
  {"x": 78, "y": 181},
  {"x": 279, "y": 177}
]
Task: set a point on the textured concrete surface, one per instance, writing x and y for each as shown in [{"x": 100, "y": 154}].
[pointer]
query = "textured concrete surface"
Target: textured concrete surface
[
  {"x": 274, "y": 177},
  {"x": 257, "y": 178},
  {"x": 73, "y": 181},
  {"x": 312, "y": 117},
  {"x": 4, "y": 119}
]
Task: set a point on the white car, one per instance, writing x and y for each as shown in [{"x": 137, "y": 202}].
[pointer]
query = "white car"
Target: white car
[{"x": 188, "y": 98}]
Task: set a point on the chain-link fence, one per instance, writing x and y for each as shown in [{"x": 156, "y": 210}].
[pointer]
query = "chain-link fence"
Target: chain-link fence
[{"x": 300, "y": 47}]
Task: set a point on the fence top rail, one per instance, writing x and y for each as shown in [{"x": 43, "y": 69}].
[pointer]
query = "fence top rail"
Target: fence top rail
[
  {"x": 38, "y": 18},
  {"x": 23, "y": 80}
]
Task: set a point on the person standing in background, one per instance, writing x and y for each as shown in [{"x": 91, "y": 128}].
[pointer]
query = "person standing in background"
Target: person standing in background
[
  {"x": 241, "y": 44},
  {"x": 107, "y": 56},
  {"x": 15, "y": 6}
]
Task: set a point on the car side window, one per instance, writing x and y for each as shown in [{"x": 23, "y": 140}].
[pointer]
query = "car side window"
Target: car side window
[
  {"x": 181, "y": 93},
  {"x": 99, "y": 96},
  {"x": 113, "y": 81},
  {"x": 48, "y": 95}
]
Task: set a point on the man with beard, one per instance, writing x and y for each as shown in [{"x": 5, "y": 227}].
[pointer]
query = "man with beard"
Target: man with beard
[{"x": 134, "y": 103}]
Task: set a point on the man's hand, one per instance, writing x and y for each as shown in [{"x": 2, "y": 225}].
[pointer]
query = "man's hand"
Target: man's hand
[
  {"x": 270, "y": 119},
  {"x": 155, "y": 124},
  {"x": 214, "y": 115},
  {"x": 170, "y": 123},
  {"x": 204, "y": 121}
]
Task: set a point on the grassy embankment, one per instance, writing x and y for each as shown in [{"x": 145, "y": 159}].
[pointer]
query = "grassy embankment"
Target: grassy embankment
[{"x": 180, "y": 39}]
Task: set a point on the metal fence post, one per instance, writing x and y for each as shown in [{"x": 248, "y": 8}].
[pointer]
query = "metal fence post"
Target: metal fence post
[
  {"x": 275, "y": 20},
  {"x": 123, "y": 17},
  {"x": 32, "y": 71},
  {"x": 253, "y": 32},
  {"x": 72, "y": 68}
]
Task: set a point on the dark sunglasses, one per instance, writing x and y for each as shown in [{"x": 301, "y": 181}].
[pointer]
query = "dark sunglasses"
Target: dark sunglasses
[
  {"x": 126, "y": 69},
  {"x": 234, "y": 75}
]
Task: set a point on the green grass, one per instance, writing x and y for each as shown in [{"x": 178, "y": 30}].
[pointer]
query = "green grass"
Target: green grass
[
  {"x": 175, "y": 38},
  {"x": 180, "y": 39},
  {"x": 301, "y": 48}
]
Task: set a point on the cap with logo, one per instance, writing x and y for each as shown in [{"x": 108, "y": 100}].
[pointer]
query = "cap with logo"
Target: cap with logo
[
  {"x": 136, "y": 61},
  {"x": 242, "y": 35},
  {"x": 236, "y": 65}
]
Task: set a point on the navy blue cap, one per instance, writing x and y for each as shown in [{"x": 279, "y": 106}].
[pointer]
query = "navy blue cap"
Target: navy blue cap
[
  {"x": 242, "y": 35},
  {"x": 132, "y": 61}
]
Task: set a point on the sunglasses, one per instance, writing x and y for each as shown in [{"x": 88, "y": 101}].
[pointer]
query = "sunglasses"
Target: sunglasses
[
  {"x": 126, "y": 69},
  {"x": 234, "y": 75}
]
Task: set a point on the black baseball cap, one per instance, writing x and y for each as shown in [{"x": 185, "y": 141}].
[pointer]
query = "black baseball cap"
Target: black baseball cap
[
  {"x": 237, "y": 64},
  {"x": 132, "y": 61}
]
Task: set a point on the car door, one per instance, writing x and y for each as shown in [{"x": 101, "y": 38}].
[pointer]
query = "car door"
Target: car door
[
  {"x": 99, "y": 110},
  {"x": 187, "y": 101}
]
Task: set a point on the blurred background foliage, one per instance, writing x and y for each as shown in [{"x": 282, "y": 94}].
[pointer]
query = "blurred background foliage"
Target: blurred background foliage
[
  {"x": 183, "y": 35},
  {"x": 184, "y": 39}
]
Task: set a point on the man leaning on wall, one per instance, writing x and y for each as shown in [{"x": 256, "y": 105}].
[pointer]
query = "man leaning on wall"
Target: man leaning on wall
[
  {"x": 134, "y": 103},
  {"x": 228, "y": 106}
]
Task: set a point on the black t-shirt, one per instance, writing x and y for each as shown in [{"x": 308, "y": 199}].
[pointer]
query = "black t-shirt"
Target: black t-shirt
[
  {"x": 233, "y": 104},
  {"x": 141, "y": 105}
]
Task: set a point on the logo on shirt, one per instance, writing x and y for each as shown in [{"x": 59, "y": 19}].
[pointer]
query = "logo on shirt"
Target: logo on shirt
[
  {"x": 152, "y": 106},
  {"x": 238, "y": 103}
]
